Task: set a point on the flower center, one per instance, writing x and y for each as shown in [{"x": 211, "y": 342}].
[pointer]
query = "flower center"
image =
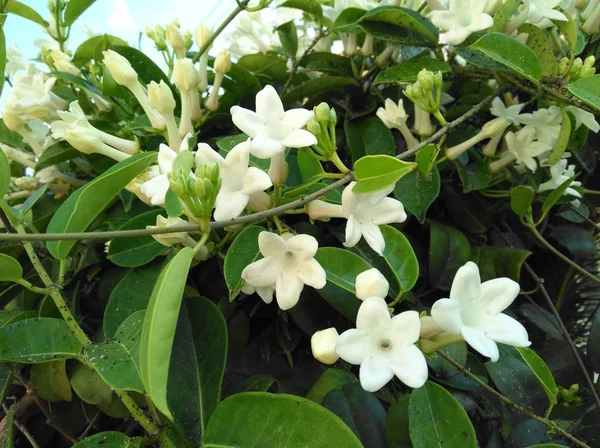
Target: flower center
[{"x": 385, "y": 345}]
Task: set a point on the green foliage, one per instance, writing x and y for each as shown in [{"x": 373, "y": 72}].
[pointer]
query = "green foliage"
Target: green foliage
[
  {"x": 10, "y": 269},
  {"x": 368, "y": 136},
  {"x": 406, "y": 71},
  {"x": 378, "y": 172},
  {"x": 394, "y": 24},
  {"x": 74, "y": 9},
  {"x": 586, "y": 89},
  {"x": 448, "y": 251},
  {"x": 243, "y": 251}
]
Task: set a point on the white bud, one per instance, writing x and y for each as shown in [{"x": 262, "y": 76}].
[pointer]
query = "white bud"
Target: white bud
[
  {"x": 120, "y": 69},
  {"x": 169, "y": 239},
  {"x": 260, "y": 201},
  {"x": 161, "y": 97},
  {"x": 371, "y": 283},
  {"x": 185, "y": 75},
  {"x": 324, "y": 210},
  {"x": 429, "y": 328},
  {"x": 86, "y": 140},
  {"x": 278, "y": 170},
  {"x": 323, "y": 345},
  {"x": 176, "y": 40},
  {"x": 203, "y": 34},
  {"x": 223, "y": 62}
]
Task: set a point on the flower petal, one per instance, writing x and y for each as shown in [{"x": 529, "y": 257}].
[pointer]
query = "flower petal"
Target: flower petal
[
  {"x": 388, "y": 211},
  {"x": 353, "y": 233},
  {"x": 410, "y": 366},
  {"x": 206, "y": 155},
  {"x": 156, "y": 189},
  {"x": 271, "y": 244},
  {"x": 287, "y": 290},
  {"x": 349, "y": 200},
  {"x": 265, "y": 148},
  {"x": 446, "y": 313},
  {"x": 353, "y": 346},
  {"x": 499, "y": 293},
  {"x": 230, "y": 205},
  {"x": 296, "y": 118},
  {"x": 268, "y": 103},
  {"x": 266, "y": 294},
  {"x": 165, "y": 158},
  {"x": 373, "y": 315},
  {"x": 304, "y": 246},
  {"x": 477, "y": 339},
  {"x": 262, "y": 273},
  {"x": 255, "y": 180},
  {"x": 375, "y": 372},
  {"x": 311, "y": 273},
  {"x": 506, "y": 330},
  {"x": 238, "y": 158},
  {"x": 406, "y": 328},
  {"x": 300, "y": 138},
  {"x": 466, "y": 284},
  {"x": 373, "y": 237},
  {"x": 248, "y": 122}
]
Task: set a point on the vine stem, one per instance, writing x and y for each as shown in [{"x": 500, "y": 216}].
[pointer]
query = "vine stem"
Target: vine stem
[
  {"x": 296, "y": 61},
  {"x": 254, "y": 216},
  {"x": 549, "y": 423}
]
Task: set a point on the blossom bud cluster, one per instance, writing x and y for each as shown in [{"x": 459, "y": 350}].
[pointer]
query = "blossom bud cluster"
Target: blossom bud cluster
[
  {"x": 426, "y": 92},
  {"x": 322, "y": 126},
  {"x": 578, "y": 68}
]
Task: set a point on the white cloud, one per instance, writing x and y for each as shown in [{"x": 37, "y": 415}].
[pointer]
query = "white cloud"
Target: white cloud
[{"x": 121, "y": 19}]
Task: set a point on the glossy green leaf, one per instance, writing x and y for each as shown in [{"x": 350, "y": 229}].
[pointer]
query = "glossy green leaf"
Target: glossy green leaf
[
  {"x": 341, "y": 267},
  {"x": 88, "y": 386},
  {"x": 587, "y": 90},
  {"x": 32, "y": 341},
  {"x": 503, "y": 15},
  {"x": 321, "y": 61},
  {"x": 288, "y": 36},
  {"x": 106, "y": 439},
  {"x": 20, "y": 9},
  {"x": 497, "y": 262},
  {"x": 310, "y": 168},
  {"x": 10, "y": 269},
  {"x": 474, "y": 176},
  {"x": 243, "y": 251},
  {"x": 331, "y": 379},
  {"x": 131, "y": 294},
  {"x": 448, "y": 251},
  {"x": 312, "y": 7},
  {"x": 437, "y": 420},
  {"x": 270, "y": 66},
  {"x": 417, "y": 193},
  {"x": 397, "y": 424},
  {"x": 347, "y": 20},
  {"x": 59, "y": 152},
  {"x": 394, "y": 24},
  {"x": 50, "y": 381},
  {"x": 93, "y": 48},
  {"x": 400, "y": 257},
  {"x": 426, "y": 159},
  {"x": 368, "y": 136},
  {"x": 541, "y": 371},
  {"x": 172, "y": 204},
  {"x": 563, "y": 139},
  {"x": 158, "y": 331},
  {"x": 260, "y": 383},
  {"x": 4, "y": 173},
  {"x": 83, "y": 206},
  {"x": 375, "y": 173},
  {"x": 569, "y": 30},
  {"x": 511, "y": 53},
  {"x": 556, "y": 194},
  {"x": 137, "y": 250},
  {"x": 316, "y": 86},
  {"x": 74, "y": 9},
  {"x": 521, "y": 198},
  {"x": 593, "y": 343},
  {"x": 407, "y": 71},
  {"x": 197, "y": 365},
  {"x": 31, "y": 201},
  {"x": 252, "y": 419},
  {"x": 540, "y": 43}
]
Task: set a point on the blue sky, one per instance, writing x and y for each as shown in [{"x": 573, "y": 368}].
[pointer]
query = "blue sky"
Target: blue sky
[{"x": 123, "y": 18}]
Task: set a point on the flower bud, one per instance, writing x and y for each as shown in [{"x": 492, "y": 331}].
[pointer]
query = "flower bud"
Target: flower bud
[
  {"x": 120, "y": 69},
  {"x": 438, "y": 79},
  {"x": 212, "y": 172},
  {"x": 185, "y": 75},
  {"x": 371, "y": 283},
  {"x": 223, "y": 62},
  {"x": 203, "y": 34},
  {"x": 589, "y": 62},
  {"x": 161, "y": 97},
  {"x": 322, "y": 112},
  {"x": 260, "y": 201},
  {"x": 425, "y": 79},
  {"x": 562, "y": 66},
  {"x": 169, "y": 239},
  {"x": 150, "y": 33},
  {"x": 27, "y": 183},
  {"x": 323, "y": 345},
  {"x": 313, "y": 126},
  {"x": 576, "y": 65},
  {"x": 199, "y": 188},
  {"x": 278, "y": 169},
  {"x": 429, "y": 328},
  {"x": 321, "y": 210},
  {"x": 332, "y": 117},
  {"x": 176, "y": 40}
]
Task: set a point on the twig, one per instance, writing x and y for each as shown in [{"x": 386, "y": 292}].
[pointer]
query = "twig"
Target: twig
[
  {"x": 551, "y": 424},
  {"x": 23, "y": 429},
  {"x": 586, "y": 218},
  {"x": 297, "y": 61}
]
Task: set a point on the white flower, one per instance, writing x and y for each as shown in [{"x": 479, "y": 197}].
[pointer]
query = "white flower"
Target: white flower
[
  {"x": 87, "y": 141},
  {"x": 546, "y": 122},
  {"x": 524, "y": 149},
  {"x": 322, "y": 344},
  {"x": 161, "y": 98},
  {"x": 371, "y": 283},
  {"x": 222, "y": 66},
  {"x": 169, "y": 239},
  {"x": 265, "y": 293},
  {"x": 239, "y": 181},
  {"x": 187, "y": 80},
  {"x": 583, "y": 117},
  {"x": 62, "y": 62},
  {"x": 462, "y": 18},
  {"x": 541, "y": 11},
  {"x": 271, "y": 128},
  {"x": 474, "y": 310},
  {"x": 288, "y": 265},
  {"x": 15, "y": 61},
  {"x": 394, "y": 116},
  {"x": 156, "y": 188},
  {"x": 560, "y": 173},
  {"x": 509, "y": 114},
  {"x": 176, "y": 40},
  {"x": 383, "y": 346},
  {"x": 366, "y": 212}
]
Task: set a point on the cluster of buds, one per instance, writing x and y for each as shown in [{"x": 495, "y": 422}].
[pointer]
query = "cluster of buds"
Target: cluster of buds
[
  {"x": 426, "y": 93},
  {"x": 322, "y": 125},
  {"x": 222, "y": 67},
  {"x": 578, "y": 68},
  {"x": 569, "y": 396},
  {"x": 180, "y": 43},
  {"x": 159, "y": 36}
]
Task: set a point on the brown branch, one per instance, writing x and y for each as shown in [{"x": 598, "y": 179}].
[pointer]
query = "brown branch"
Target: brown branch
[{"x": 23, "y": 429}]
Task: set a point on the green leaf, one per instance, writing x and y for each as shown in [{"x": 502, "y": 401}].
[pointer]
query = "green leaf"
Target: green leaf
[
  {"x": 131, "y": 294},
  {"x": 569, "y": 30},
  {"x": 260, "y": 383},
  {"x": 497, "y": 262},
  {"x": 93, "y": 48},
  {"x": 541, "y": 371},
  {"x": 539, "y": 42},
  {"x": 243, "y": 251},
  {"x": 375, "y": 173},
  {"x": 270, "y": 66},
  {"x": 511, "y": 53},
  {"x": 4, "y": 173},
  {"x": 316, "y": 86},
  {"x": 593, "y": 343},
  {"x": 503, "y": 15},
  {"x": 426, "y": 158},
  {"x": 368, "y": 136},
  {"x": 312, "y": 7},
  {"x": 158, "y": 331},
  {"x": 556, "y": 194},
  {"x": 74, "y": 9},
  {"x": 341, "y": 267},
  {"x": 406, "y": 71},
  {"x": 417, "y": 193},
  {"x": 10, "y": 269},
  {"x": 563, "y": 139},
  {"x": 521, "y": 198},
  {"x": 288, "y": 35},
  {"x": 262, "y": 419},
  {"x": 321, "y": 61},
  {"x": 22, "y": 10},
  {"x": 475, "y": 176},
  {"x": 172, "y": 204},
  {"x": 88, "y": 386},
  {"x": 437, "y": 420},
  {"x": 197, "y": 365},
  {"x": 400, "y": 257},
  {"x": 106, "y": 439},
  {"x": 587, "y": 90},
  {"x": 32, "y": 341},
  {"x": 137, "y": 250},
  {"x": 347, "y": 20},
  {"x": 59, "y": 152},
  {"x": 396, "y": 24},
  {"x": 2, "y": 55},
  {"x": 83, "y": 206},
  {"x": 6, "y": 380},
  {"x": 7, "y": 439},
  {"x": 51, "y": 382},
  {"x": 310, "y": 168},
  {"x": 331, "y": 379},
  {"x": 397, "y": 423},
  {"x": 448, "y": 251},
  {"x": 22, "y": 210}
]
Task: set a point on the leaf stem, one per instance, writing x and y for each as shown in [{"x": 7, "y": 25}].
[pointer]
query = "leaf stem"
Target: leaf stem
[
  {"x": 551, "y": 424},
  {"x": 29, "y": 286}
]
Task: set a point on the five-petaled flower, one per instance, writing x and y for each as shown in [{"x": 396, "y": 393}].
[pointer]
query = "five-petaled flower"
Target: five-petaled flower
[
  {"x": 384, "y": 346},
  {"x": 474, "y": 311},
  {"x": 287, "y": 266},
  {"x": 462, "y": 18}
]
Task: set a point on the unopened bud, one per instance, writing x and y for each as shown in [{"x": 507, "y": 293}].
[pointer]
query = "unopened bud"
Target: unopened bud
[
  {"x": 425, "y": 79},
  {"x": 260, "y": 201},
  {"x": 332, "y": 117},
  {"x": 223, "y": 62},
  {"x": 203, "y": 34},
  {"x": 322, "y": 112},
  {"x": 120, "y": 69},
  {"x": 161, "y": 97},
  {"x": 212, "y": 172},
  {"x": 589, "y": 62},
  {"x": 176, "y": 40},
  {"x": 562, "y": 66},
  {"x": 323, "y": 345},
  {"x": 313, "y": 126},
  {"x": 200, "y": 190},
  {"x": 27, "y": 183},
  {"x": 438, "y": 79},
  {"x": 371, "y": 283},
  {"x": 576, "y": 65},
  {"x": 185, "y": 75}
]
